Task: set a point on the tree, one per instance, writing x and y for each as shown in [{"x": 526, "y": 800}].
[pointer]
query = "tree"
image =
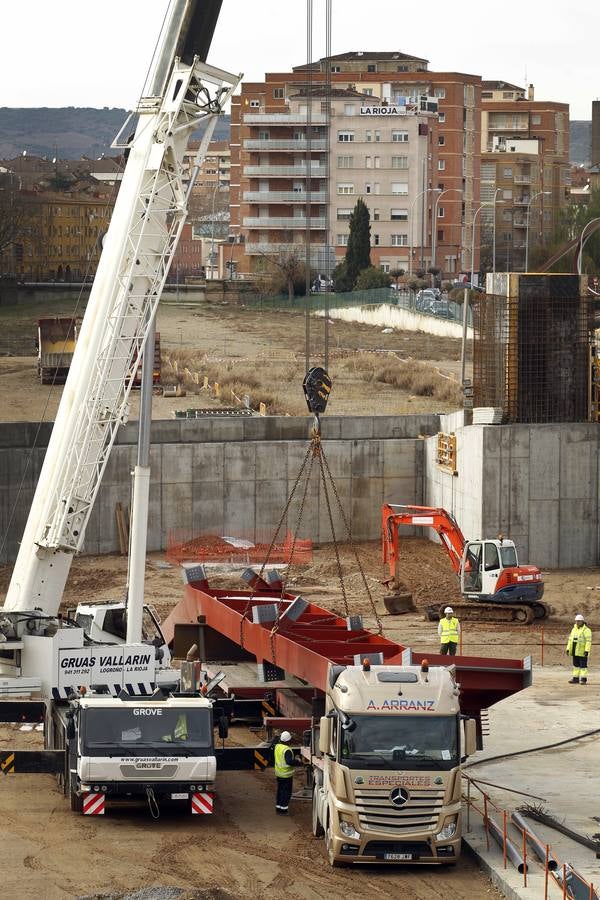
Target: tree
[
  {"x": 341, "y": 279},
  {"x": 358, "y": 253},
  {"x": 372, "y": 278},
  {"x": 289, "y": 272},
  {"x": 396, "y": 275},
  {"x": 12, "y": 214},
  {"x": 572, "y": 221}
]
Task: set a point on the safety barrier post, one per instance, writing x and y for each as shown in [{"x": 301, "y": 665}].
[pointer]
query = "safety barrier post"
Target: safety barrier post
[
  {"x": 485, "y": 819},
  {"x": 542, "y": 651},
  {"x": 504, "y": 837},
  {"x": 524, "y": 858},
  {"x": 564, "y": 881},
  {"x": 546, "y": 872},
  {"x": 468, "y": 805}
]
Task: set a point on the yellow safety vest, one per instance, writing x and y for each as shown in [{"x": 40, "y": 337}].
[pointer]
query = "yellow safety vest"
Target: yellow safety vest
[
  {"x": 449, "y": 630},
  {"x": 580, "y": 641},
  {"x": 282, "y": 770},
  {"x": 180, "y": 731}
]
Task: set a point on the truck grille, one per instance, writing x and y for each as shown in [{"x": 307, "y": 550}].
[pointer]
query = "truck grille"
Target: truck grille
[
  {"x": 148, "y": 774},
  {"x": 376, "y": 811}
]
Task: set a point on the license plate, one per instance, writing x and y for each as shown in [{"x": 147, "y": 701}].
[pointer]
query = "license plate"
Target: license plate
[
  {"x": 182, "y": 796},
  {"x": 397, "y": 857}
]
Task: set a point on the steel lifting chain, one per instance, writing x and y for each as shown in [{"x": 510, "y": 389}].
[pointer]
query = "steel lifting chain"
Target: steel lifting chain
[
  {"x": 325, "y": 467},
  {"x": 336, "y": 548},
  {"x": 307, "y": 456}
]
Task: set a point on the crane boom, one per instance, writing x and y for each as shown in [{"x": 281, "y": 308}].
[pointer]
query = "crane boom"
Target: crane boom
[{"x": 149, "y": 214}]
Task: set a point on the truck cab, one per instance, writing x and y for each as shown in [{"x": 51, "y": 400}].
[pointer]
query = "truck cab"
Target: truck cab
[
  {"x": 490, "y": 569},
  {"x": 127, "y": 748},
  {"x": 387, "y": 784}
]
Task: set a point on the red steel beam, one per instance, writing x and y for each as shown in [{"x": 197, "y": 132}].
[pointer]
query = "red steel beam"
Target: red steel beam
[{"x": 306, "y": 647}]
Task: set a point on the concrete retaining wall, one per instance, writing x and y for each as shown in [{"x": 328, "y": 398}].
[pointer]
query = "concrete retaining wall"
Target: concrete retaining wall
[
  {"x": 537, "y": 484},
  {"x": 232, "y": 476}
]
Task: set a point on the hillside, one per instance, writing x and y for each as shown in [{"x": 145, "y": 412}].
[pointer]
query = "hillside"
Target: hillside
[{"x": 67, "y": 132}]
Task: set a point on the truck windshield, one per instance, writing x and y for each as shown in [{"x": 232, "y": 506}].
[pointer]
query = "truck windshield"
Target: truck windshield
[
  {"x": 137, "y": 729},
  {"x": 400, "y": 742}
]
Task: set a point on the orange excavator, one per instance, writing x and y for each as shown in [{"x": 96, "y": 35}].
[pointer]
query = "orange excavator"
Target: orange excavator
[{"x": 495, "y": 587}]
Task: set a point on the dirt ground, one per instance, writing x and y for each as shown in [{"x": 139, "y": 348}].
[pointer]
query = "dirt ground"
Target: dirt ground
[
  {"x": 260, "y": 354},
  {"x": 244, "y": 850}
]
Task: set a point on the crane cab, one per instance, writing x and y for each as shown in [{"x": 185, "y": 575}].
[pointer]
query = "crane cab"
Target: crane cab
[
  {"x": 106, "y": 623},
  {"x": 490, "y": 569}
]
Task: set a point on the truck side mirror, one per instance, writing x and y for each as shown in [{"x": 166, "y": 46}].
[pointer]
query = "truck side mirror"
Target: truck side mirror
[
  {"x": 470, "y": 726},
  {"x": 70, "y": 730},
  {"x": 223, "y": 727},
  {"x": 324, "y": 734}
]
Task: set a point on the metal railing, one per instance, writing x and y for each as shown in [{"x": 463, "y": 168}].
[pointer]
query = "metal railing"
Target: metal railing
[
  {"x": 288, "y": 118},
  {"x": 563, "y": 874},
  {"x": 284, "y": 196},
  {"x": 285, "y": 144},
  {"x": 300, "y": 171},
  {"x": 283, "y": 222}
]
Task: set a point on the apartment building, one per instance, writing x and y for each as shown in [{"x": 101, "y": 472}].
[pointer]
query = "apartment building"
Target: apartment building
[
  {"x": 306, "y": 144},
  {"x": 215, "y": 168},
  {"x": 525, "y": 171}
]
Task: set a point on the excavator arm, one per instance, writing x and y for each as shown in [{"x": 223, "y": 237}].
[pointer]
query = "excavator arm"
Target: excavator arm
[{"x": 443, "y": 523}]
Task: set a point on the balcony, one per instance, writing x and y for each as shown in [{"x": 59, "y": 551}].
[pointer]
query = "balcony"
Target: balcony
[
  {"x": 317, "y": 251},
  {"x": 520, "y": 223},
  {"x": 286, "y": 171},
  {"x": 290, "y": 118},
  {"x": 283, "y": 222},
  {"x": 284, "y": 197},
  {"x": 522, "y": 179},
  {"x": 521, "y": 201},
  {"x": 506, "y": 125},
  {"x": 294, "y": 145}
]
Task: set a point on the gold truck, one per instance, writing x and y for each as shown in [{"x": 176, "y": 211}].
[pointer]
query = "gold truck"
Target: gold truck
[{"x": 386, "y": 764}]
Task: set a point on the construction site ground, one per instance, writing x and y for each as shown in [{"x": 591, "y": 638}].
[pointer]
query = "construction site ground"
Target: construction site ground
[
  {"x": 259, "y": 354},
  {"x": 244, "y": 850}
]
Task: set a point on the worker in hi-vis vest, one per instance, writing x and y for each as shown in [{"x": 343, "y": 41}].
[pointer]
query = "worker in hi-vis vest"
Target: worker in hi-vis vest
[
  {"x": 579, "y": 646},
  {"x": 284, "y": 772},
  {"x": 449, "y": 631}
]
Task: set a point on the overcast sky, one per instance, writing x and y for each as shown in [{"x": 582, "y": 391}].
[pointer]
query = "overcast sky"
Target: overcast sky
[{"x": 84, "y": 53}]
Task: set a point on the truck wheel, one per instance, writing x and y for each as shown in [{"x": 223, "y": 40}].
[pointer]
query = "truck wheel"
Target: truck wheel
[
  {"x": 76, "y": 802},
  {"x": 333, "y": 862},
  {"x": 317, "y": 828}
]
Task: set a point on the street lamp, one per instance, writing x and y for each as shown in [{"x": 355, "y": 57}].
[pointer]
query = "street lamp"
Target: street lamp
[
  {"x": 478, "y": 210},
  {"x": 531, "y": 199},
  {"x": 412, "y": 231},
  {"x": 434, "y": 224}
]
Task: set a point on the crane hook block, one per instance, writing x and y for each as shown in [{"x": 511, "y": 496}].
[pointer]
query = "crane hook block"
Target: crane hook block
[{"x": 317, "y": 387}]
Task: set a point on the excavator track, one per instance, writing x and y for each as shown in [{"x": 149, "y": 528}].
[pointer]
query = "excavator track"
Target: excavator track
[{"x": 493, "y": 613}]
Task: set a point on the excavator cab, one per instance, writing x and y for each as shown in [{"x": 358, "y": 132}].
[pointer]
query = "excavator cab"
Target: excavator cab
[{"x": 482, "y": 563}]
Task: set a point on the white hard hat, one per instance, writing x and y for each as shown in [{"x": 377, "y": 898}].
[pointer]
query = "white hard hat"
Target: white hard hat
[
  {"x": 285, "y": 737},
  {"x": 579, "y": 618},
  {"x": 448, "y": 609}
]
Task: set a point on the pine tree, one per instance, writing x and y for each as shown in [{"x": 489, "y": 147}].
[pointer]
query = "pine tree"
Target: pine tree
[{"x": 358, "y": 254}]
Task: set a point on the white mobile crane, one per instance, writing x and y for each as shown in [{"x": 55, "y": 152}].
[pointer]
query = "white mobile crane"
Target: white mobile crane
[{"x": 115, "y": 741}]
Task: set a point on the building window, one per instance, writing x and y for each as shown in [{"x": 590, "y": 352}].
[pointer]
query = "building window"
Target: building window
[
  {"x": 371, "y": 67},
  {"x": 441, "y": 118},
  {"x": 440, "y": 234},
  {"x": 368, "y": 92},
  {"x": 325, "y": 107},
  {"x": 262, "y": 136},
  {"x": 441, "y": 140},
  {"x": 367, "y": 188},
  {"x": 342, "y": 240},
  {"x": 400, "y": 137},
  {"x": 377, "y": 162},
  {"x": 345, "y": 188},
  {"x": 385, "y": 267},
  {"x": 343, "y": 215},
  {"x": 399, "y": 162},
  {"x": 368, "y": 136},
  {"x": 441, "y": 212},
  {"x": 536, "y": 120},
  {"x": 402, "y": 68},
  {"x": 399, "y": 240},
  {"x": 507, "y": 195},
  {"x": 439, "y": 92},
  {"x": 345, "y": 162},
  {"x": 368, "y": 162},
  {"x": 278, "y": 94},
  {"x": 345, "y": 136},
  {"x": 336, "y": 68},
  {"x": 508, "y": 95},
  {"x": 508, "y": 172},
  {"x": 399, "y": 187},
  {"x": 349, "y": 109},
  {"x": 255, "y": 104},
  {"x": 377, "y": 135},
  {"x": 507, "y": 237},
  {"x": 441, "y": 165},
  {"x": 440, "y": 186},
  {"x": 399, "y": 215},
  {"x": 487, "y": 95},
  {"x": 376, "y": 215},
  {"x": 376, "y": 240}
]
